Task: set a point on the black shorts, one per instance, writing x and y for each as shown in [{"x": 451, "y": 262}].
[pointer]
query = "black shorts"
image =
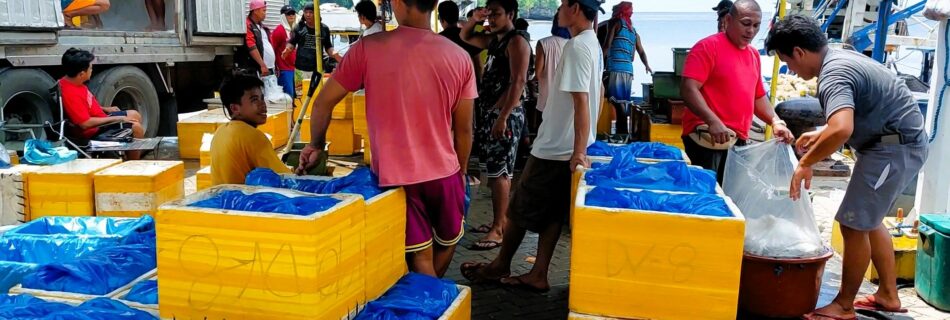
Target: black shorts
[
  {"x": 113, "y": 127},
  {"x": 543, "y": 194}
]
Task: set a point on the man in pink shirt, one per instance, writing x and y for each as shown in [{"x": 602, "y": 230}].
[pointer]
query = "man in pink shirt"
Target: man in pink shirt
[
  {"x": 722, "y": 87},
  {"x": 419, "y": 113}
]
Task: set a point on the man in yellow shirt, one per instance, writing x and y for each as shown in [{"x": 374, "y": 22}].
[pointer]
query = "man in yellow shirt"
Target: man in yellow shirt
[{"x": 238, "y": 147}]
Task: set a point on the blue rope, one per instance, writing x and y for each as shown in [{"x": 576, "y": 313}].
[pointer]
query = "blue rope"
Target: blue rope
[{"x": 946, "y": 83}]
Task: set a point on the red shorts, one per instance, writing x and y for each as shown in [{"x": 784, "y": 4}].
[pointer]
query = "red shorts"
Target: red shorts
[{"x": 435, "y": 212}]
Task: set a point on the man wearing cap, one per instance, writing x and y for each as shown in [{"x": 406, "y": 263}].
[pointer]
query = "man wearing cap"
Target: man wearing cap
[
  {"x": 256, "y": 56},
  {"x": 722, "y": 87},
  {"x": 304, "y": 37},
  {"x": 722, "y": 9},
  {"x": 285, "y": 63},
  {"x": 542, "y": 199}
]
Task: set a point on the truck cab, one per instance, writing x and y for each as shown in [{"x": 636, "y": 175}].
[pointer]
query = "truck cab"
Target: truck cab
[{"x": 158, "y": 73}]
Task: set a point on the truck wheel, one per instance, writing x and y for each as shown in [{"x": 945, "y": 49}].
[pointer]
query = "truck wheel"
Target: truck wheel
[
  {"x": 25, "y": 99},
  {"x": 129, "y": 88}
]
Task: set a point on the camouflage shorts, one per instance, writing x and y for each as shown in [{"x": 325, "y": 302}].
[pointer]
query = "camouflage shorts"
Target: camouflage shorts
[{"x": 498, "y": 156}]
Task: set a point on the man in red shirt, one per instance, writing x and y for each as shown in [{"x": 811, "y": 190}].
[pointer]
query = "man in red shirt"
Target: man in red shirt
[
  {"x": 722, "y": 87},
  {"x": 285, "y": 63},
  {"x": 81, "y": 106}
]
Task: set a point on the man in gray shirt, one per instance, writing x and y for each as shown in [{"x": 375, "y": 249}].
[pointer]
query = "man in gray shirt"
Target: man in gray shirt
[{"x": 872, "y": 110}]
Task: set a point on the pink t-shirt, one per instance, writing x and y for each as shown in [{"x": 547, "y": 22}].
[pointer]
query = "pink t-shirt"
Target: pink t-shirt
[
  {"x": 731, "y": 78},
  {"x": 414, "y": 79}
]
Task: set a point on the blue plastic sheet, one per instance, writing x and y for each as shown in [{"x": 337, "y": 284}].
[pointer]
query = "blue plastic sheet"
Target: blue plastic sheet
[
  {"x": 650, "y": 150},
  {"x": 414, "y": 297},
  {"x": 59, "y": 239},
  {"x": 98, "y": 273},
  {"x": 361, "y": 181},
  {"x": 11, "y": 273},
  {"x": 624, "y": 171},
  {"x": 42, "y": 152},
  {"x": 29, "y": 307},
  {"x": 698, "y": 204},
  {"x": 145, "y": 292},
  {"x": 267, "y": 202}
]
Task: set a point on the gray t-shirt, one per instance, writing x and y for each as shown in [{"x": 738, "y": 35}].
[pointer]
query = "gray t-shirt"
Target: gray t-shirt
[{"x": 882, "y": 103}]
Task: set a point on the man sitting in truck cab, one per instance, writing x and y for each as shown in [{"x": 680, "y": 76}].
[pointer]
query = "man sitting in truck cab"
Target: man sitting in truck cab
[
  {"x": 238, "y": 147},
  {"x": 82, "y": 108},
  {"x": 78, "y": 8}
]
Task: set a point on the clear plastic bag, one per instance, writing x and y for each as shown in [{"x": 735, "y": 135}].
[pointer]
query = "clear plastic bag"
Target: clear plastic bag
[
  {"x": 757, "y": 179},
  {"x": 273, "y": 92},
  {"x": 937, "y": 10}
]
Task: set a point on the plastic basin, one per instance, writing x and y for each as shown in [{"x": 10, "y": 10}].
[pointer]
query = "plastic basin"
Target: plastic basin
[{"x": 780, "y": 288}]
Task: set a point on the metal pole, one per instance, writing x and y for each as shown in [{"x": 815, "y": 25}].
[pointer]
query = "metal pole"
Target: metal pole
[
  {"x": 880, "y": 36},
  {"x": 775, "y": 67},
  {"x": 319, "y": 44}
]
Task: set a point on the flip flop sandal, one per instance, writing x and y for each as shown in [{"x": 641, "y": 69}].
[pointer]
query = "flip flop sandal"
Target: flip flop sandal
[
  {"x": 820, "y": 316},
  {"x": 469, "y": 270},
  {"x": 485, "y": 245},
  {"x": 485, "y": 228},
  {"x": 870, "y": 303},
  {"x": 517, "y": 283}
]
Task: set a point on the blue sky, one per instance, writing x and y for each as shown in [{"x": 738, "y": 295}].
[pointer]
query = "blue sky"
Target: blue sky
[{"x": 680, "y": 5}]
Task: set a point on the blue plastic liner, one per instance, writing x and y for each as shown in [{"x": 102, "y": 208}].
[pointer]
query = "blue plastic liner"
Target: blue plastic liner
[
  {"x": 59, "y": 239},
  {"x": 414, "y": 297},
  {"x": 11, "y": 273},
  {"x": 361, "y": 181},
  {"x": 95, "y": 273},
  {"x": 651, "y": 150},
  {"x": 29, "y": 307},
  {"x": 42, "y": 152},
  {"x": 698, "y": 204},
  {"x": 624, "y": 171},
  {"x": 145, "y": 292},
  {"x": 267, "y": 202}
]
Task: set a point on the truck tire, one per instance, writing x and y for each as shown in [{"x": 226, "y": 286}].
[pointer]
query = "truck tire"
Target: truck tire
[
  {"x": 25, "y": 99},
  {"x": 129, "y": 88}
]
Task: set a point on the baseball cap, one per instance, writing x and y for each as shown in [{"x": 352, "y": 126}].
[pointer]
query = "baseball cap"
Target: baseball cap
[
  {"x": 594, "y": 4},
  {"x": 723, "y": 5},
  {"x": 257, "y": 4},
  {"x": 288, "y": 9}
]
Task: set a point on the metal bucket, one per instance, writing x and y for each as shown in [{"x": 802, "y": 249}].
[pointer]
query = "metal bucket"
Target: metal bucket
[{"x": 780, "y": 288}]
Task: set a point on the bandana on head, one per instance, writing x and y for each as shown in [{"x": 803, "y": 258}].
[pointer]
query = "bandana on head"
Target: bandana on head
[{"x": 624, "y": 11}]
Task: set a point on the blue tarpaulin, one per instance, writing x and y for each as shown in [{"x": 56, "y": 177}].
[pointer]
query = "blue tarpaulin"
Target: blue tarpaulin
[
  {"x": 624, "y": 171},
  {"x": 267, "y": 202},
  {"x": 649, "y": 150},
  {"x": 29, "y": 307},
  {"x": 11, "y": 273},
  {"x": 414, "y": 297},
  {"x": 361, "y": 181},
  {"x": 42, "y": 152},
  {"x": 145, "y": 292},
  {"x": 58, "y": 239},
  {"x": 698, "y": 204},
  {"x": 97, "y": 273}
]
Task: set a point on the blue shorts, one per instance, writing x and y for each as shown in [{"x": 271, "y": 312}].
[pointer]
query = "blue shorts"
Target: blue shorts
[{"x": 619, "y": 86}]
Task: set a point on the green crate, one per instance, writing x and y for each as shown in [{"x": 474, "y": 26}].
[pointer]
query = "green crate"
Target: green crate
[
  {"x": 666, "y": 85},
  {"x": 932, "y": 281},
  {"x": 679, "y": 58}
]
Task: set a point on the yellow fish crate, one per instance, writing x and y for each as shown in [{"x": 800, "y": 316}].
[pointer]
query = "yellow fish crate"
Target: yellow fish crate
[
  {"x": 654, "y": 265},
  {"x": 228, "y": 264},
  {"x": 670, "y": 134},
  {"x": 344, "y": 109},
  {"x": 192, "y": 129},
  {"x": 905, "y": 252},
  {"x": 203, "y": 178},
  {"x": 385, "y": 237},
  {"x": 204, "y": 154},
  {"x": 65, "y": 189},
  {"x": 134, "y": 188},
  {"x": 359, "y": 114}
]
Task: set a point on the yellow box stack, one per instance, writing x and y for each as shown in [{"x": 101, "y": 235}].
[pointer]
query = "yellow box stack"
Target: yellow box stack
[
  {"x": 191, "y": 130},
  {"x": 654, "y": 265},
  {"x": 203, "y": 178},
  {"x": 14, "y": 204},
  {"x": 204, "y": 154},
  {"x": 344, "y": 109},
  {"x": 360, "y": 126},
  {"x": 134, "y": 188},
  {"x": 65, "y": 189},
  {"x": 670, "y": 134},
  {"x": 228, "y": 264},
  {"x": 277, "y": 126}
]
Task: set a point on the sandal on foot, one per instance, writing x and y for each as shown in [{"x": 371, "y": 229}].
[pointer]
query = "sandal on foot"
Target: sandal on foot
[
  {"x": 485, "y": 228},
  {"x": 470, "y": 272},
  {"x": 517, "y": 283},
  {"x": 485, "y": 245},
  {"x": 822, "y": 316},
  {"x": 870, "y": 303}
]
